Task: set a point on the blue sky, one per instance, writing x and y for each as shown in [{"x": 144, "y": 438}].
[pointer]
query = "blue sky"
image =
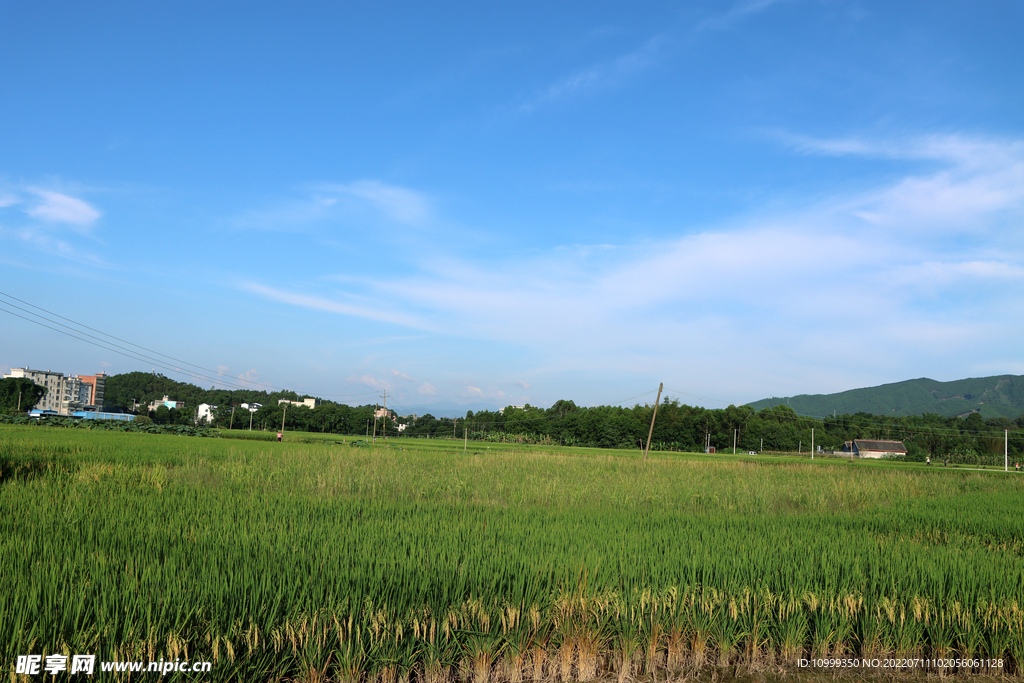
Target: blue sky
[{"x": 518, "y": 203}]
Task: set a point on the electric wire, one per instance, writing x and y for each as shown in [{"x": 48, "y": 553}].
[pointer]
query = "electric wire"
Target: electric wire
[{"x": 137, "y": 355}]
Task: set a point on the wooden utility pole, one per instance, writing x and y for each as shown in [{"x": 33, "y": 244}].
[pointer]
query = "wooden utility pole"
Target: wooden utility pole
[
  {"x": 812, "y": 443},
  {"x": 650, "y": 432},
  {"x": 283, "y": 416},
  {"x": 232, "y": 422},
  {"x": 385, "y": 418},
  {"x": 465, "y": 439},
  {"x": 376, "y": 409},
  {"x": 251, "y": 411}
]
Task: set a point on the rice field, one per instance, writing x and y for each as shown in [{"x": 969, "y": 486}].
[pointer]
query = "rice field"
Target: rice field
[{"x": 421, "y": 563}]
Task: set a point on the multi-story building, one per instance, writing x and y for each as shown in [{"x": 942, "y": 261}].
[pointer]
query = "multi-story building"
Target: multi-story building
[
  {"x": 64, "y": 395},
  {"x": 166, "y": 401},
  {"x": 204, "y": 414},
  {"x": 97, "y": 387}
]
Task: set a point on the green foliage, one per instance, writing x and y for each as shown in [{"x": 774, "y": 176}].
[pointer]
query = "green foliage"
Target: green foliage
[
  {"x": 779, "y": 428},
  {"x": 19, "y": 394},
  {"x": 139, "y": 424}
]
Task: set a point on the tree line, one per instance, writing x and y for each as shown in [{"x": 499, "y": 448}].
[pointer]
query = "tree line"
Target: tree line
[{"x": 969, "y": 439}]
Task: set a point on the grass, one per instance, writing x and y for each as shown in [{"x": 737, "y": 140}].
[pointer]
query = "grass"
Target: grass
[{"x": 313, "y": 561}]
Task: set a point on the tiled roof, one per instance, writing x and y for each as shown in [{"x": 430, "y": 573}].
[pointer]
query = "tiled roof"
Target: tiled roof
[{"x": 887, "y": 446}]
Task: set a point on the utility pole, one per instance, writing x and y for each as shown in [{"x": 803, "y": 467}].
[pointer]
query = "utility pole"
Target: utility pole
[
  {"x": 1006, "y": 450},
  {"x": 375, "y": 411},
  {"x": 762, "y": 445},
  {"x": 465, "y": 439},
  {"x": 19, "y": 400},
  {"x": 812, "y": 443},
  {"x": 283, "y": 416},
  {"x": 385, "y": 418},
  {"x": 734, "y": 442},
  {"x": 250, "y": 418},
  {"x": 455, "y": 421},
  {"x": 232, "y": 422},
  {"x": 650, "y": 432}
]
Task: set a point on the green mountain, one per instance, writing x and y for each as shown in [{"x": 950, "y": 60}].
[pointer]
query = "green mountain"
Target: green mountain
[
  {"x": 139, "y": 388},
  {"x": 1001, "y": 396}
]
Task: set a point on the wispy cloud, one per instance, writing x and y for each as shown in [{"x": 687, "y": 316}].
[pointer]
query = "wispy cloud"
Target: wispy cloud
[
  {"x": 399, "y": 203},
  {"x": 978, "y": 180},
  {"x": 250, "y": 376},
  {"x": 738, "y": 12},
  {"x": 427, "y": 389},
  {"x": 55, "y": 207},
  {"x": 599, "y": 76},
  {"x": 758, "y": 287},
  {"x": 370, "y": 381},
  {"x": 330, "y": 306},
  {"x": 362, "y": 201},
  {"x": 56, "y": 246},
  {"x": 612, "y": 73}
]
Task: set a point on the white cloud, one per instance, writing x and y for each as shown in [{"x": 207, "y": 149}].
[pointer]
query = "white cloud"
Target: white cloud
[
  {"x": 427, "y": 389},
  {"x": 8, "y": 199},
  {"x": 736, "y": 13},
  {"x": 980, "y": 181},
  {"x": 60, "y": 208},
  {"x": 402, "y": 375},
  {"x": 250, "y": 376},
  {"x": 401, "y": 204},
  {"x": 522, "y": 385},
  {"x": 598, "y": 76},
  {"x": 780, "y": 298},
  {"x": 370, "y": 381},
  {"x": 359, "y": 201},
  {"x": 42, "y": 241},
  {"x": 614, "y": 72},
  {"x": 322, "y": 304}
]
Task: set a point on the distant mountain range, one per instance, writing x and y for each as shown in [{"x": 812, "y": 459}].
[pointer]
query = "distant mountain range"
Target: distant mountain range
[
  {"x": 448, "y": 409},
  {"x": 1001, "y": 396}
]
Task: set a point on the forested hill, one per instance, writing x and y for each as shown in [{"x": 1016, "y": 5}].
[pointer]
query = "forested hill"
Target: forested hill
[
  {"x": 1001, "y": 396},
  {"x": 144, "y": 387}
]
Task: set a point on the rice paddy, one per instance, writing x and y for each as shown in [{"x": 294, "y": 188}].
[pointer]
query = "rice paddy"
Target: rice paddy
[{"x": 423, "y": 563}]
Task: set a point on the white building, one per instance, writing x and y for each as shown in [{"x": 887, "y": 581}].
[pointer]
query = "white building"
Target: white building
[
  {"x": 165, "y": 401},
  {"x": 307, "y": 402},
  {"x": 204, "y": 414},
  {"x": 251, "y": 407}
]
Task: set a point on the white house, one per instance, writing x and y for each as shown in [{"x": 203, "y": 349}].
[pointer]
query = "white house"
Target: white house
[{"x": 204, "y": 414}]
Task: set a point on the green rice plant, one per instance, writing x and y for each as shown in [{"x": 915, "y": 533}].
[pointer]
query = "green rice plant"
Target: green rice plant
[
  {"x": 727, "y": 632},
  {"x": 299, "y": 561}
]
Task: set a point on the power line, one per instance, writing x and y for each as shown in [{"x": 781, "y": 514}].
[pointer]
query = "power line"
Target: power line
[{"x": 130, "y": 353}]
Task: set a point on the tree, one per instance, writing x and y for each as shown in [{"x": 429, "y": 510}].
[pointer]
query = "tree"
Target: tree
[{"x": 15, "y": 390}]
